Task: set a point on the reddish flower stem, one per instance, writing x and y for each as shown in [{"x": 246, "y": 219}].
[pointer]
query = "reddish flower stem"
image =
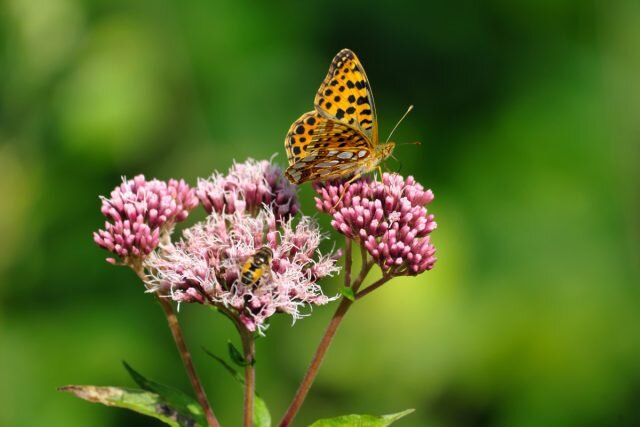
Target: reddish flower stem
[
  {"x": 178, "y": 337},
  {"x": 325, "y": 342},
  {"x": 347, "y": 262},
  {"x": 375, "y": 285},
  {"x": 185, "y": 355},
  {"x": 303, "y": 390}
]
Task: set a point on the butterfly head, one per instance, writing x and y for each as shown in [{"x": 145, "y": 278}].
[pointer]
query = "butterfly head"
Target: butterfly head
[{"x": 385, "y": 150}]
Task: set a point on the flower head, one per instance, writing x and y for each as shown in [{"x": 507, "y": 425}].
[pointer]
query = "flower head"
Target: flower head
[
  {"x": 138, "y": 211},
  {"x": 250, "y": 208},
  {"x": 206, "y": 266},
  {"x": 388, "y": 218},
  {"x": 246, "y": 188}
]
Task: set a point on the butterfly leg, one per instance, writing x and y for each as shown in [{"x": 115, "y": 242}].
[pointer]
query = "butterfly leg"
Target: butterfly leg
[{"x": 344, "y": 190}]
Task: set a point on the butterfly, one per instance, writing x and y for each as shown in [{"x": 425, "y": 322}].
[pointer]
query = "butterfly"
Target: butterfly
[{"x": 340, "y": 137}]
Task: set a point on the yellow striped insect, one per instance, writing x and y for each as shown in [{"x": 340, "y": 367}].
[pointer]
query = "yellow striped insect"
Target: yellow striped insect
[{"x": 256, "y": 266}]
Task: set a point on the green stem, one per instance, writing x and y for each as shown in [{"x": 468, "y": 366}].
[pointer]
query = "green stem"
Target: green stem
[
  {"x": 249, "y": 351},
  {"x": 249, "y": 346}
]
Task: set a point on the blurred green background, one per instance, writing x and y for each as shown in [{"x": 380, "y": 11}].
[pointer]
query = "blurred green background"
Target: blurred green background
[{"x": 529, "y": 117}]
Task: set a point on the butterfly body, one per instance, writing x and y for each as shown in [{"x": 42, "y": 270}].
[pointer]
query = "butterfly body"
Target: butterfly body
[
  {"x": 255, "y": 267},
  {"x": 340, "y": 137}
]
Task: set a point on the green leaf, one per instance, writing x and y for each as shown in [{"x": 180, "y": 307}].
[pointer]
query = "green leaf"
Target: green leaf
[
  {"x": 361, "y": 420},
  {"x": 235, "y": 374},
  {"x": 261, "y": 415},
  {"x": 174, "y": 398},
  {"x": 141, "y": 401},
  {"x": 348, "y": 293},
  {"x": 236, "y": 356}
]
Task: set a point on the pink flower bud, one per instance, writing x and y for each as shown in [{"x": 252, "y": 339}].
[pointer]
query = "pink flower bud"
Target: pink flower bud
[{"x": 246, "y": 188}]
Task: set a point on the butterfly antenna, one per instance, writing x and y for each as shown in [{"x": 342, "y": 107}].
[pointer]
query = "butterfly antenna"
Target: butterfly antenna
[{"x": 399, "y": 121}]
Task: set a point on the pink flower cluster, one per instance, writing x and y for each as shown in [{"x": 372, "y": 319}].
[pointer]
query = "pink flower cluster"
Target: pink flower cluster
[
  {"x": 246, "y": 188},
  {"x": 138, "y": 211},
  {"x": 249, "y": 208},
  {"x": 206, "y": 265},
  {"x": 388, "y": 218}
]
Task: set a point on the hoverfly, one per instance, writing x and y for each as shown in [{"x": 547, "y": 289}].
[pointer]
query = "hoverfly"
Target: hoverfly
[{"x": 256, "y": 266}]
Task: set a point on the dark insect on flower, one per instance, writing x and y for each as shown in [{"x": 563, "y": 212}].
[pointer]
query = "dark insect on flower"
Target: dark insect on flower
[{"x": 256, "y": 266}]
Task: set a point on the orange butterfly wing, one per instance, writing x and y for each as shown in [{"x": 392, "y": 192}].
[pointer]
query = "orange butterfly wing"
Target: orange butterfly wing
[
  {"x": 345, "y": 95},
  {"x": 322, "y": 149},
  {"x": 339, "y": 138}
]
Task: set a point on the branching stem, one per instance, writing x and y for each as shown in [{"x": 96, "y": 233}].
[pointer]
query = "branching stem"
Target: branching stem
[
  {"x": 375, "y": 285},
  {"x": 327, "y": 338}
]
